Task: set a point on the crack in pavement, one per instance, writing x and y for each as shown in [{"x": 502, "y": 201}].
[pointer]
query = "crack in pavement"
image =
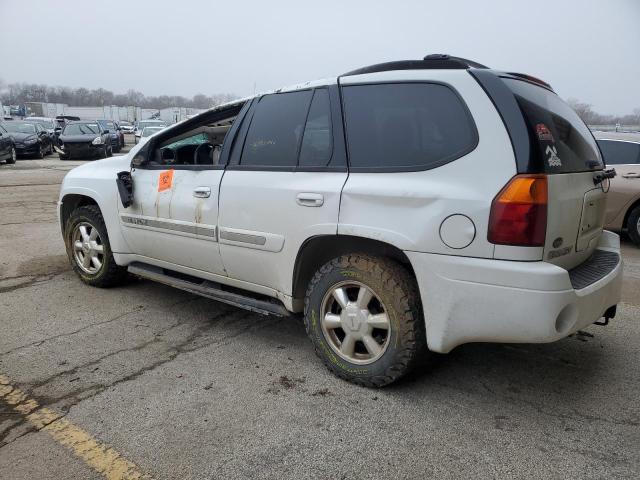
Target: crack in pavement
[
  {"x": 87, "y": 327},
  {"x": 170, "y": 354}
]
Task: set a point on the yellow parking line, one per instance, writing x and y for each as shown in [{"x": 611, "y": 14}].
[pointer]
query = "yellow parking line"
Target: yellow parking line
[{"x": 98, "y": 456}]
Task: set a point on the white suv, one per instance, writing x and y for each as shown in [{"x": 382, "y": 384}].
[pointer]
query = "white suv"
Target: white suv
[{"x": 402, "y": 207}]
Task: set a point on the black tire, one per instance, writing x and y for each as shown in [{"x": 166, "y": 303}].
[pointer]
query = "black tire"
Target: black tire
[
  {"x": 63, "y": 157},
  {"x": 12, "y": 159},
  {"x": 633, "y": 225},
  {"x": 50, "y": 151},
  {"x": 104, "y": 153},
  {"x": 397, "y": 292},
  {"x": 40, "y": 153},
  {"x": 110, "y": 274},
  {"x": 110, "y": 151}
]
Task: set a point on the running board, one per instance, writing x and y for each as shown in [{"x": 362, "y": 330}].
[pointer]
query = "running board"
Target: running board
[{"x": 208, "y": 289}]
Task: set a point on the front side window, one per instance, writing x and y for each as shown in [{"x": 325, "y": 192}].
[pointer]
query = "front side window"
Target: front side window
[
  {"x": 617, "y": 152},
  {"x": 406, "y": 126},
  {"x": 276, "y": 130}
]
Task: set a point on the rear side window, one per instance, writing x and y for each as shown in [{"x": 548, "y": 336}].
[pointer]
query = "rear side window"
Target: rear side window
[
  {"x": 406, "y": 126},
  {"x": 276, "y": 130},
  {"x": 619, "y": 152},
  {"x": 559, "y": 138},
  {"x": 317, "y": 141}
]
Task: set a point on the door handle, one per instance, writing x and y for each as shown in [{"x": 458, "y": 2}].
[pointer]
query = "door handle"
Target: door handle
[
  {"x": 310, "y": 199},
  {"x": 631, "y": 175},
  {"x": 202, "y": 192}
]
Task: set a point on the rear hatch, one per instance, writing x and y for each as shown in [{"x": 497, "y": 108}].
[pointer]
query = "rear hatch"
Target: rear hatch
[{"x": 562, "y": 147}]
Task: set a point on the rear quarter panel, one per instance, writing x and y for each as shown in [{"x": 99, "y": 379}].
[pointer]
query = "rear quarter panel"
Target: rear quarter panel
[{"x": 406, "y": 209}]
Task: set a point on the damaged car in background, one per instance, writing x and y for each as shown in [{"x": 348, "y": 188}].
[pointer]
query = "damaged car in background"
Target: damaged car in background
[{"x": 84, "y": 140}]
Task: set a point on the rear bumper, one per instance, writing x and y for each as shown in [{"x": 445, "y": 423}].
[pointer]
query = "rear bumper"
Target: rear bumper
[{"x": 483, "y": 300}]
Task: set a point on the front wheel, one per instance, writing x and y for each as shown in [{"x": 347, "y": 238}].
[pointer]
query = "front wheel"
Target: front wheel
[
  {"x": 633, "y": 225},
  {"x": 364, "y": 318},
  {"x": 89, "y": 250},
  {"x": 12, "y": 158}
]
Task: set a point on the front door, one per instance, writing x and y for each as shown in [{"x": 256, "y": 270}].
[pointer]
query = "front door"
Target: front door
[{"x": 174, "y": 212}]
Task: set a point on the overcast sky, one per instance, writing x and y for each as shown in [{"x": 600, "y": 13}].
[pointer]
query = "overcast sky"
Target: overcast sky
[{"x": 589, "y": 50}]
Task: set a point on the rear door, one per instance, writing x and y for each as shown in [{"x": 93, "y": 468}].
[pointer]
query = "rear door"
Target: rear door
[
  {"x": 283, "y": 184},
  {"x": 562, "y": 146}
]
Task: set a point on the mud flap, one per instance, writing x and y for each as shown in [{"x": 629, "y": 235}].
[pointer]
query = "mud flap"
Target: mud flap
[{"x": 125, "y": 188}]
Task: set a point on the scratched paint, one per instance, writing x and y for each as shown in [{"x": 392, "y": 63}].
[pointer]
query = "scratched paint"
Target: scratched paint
[{"x": 101, "y": 458}]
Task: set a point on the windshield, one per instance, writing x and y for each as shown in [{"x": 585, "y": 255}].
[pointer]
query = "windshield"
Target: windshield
[
  {"x": 107, "y": 124},
  {"x": 20, "y": 127},
  {"x": 81, "y": 129},
  {"x": 143, "y": 125},
  {"x": 44, "y": 123},
  {"x": 148, "y": 131},
  {"x": 559, "y": 138}
]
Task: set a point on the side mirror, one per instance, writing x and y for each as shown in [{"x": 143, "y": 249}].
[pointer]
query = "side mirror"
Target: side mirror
[{"x": 106, "y": 131}]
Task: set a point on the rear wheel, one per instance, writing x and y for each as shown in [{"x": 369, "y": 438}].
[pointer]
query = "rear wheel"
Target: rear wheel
[
  {"x": 89, "y": 250},
  {"x": 633, "y": 225},
  {"x": 364, "y": 318}
]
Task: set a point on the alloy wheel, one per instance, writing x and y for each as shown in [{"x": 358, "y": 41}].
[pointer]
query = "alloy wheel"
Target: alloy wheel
[
  {"x": 355, "y": 322},
  {"x": 88, "y": 249}
]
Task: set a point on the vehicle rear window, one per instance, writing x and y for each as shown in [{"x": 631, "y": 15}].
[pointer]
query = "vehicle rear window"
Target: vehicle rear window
[
  {"x": 406, "y": 126},
  {"x": 559, "y": 138},
  {"x": 619, "y": 152}
]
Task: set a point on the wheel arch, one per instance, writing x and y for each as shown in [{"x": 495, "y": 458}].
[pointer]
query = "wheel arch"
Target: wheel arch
[
  {"x": 318, "y": 250},
  {"x": 72, "y": 201}
]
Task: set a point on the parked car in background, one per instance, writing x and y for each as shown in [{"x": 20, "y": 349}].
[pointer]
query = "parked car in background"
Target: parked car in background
[
  {"x": 7, "y": 148},
  {"x": 84, "y": 140},
  {"x": 623, "y": 203},
  {"x": 126, "y": 127},
  {"x": 142, "y": 124},
  {"x": 30, "y": 139},
  {"x": 62, "y": 120},
  {"x": 49, "y": 124},
  {"x": 148, "y": 131},
  {"x": 117, "y": 137},
  {"x": 400, "y": 207}
]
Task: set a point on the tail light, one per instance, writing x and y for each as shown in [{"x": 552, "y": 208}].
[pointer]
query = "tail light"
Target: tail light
[{"x": 519, "y": 212}]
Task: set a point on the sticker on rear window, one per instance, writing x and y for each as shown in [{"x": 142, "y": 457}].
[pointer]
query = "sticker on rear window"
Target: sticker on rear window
[
  {"x": 544, "y": 135},
  {"x": 553, "y": 160}
]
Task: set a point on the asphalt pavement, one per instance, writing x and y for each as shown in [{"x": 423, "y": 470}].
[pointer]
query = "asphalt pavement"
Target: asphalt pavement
[{"x": 151, "y": 382}]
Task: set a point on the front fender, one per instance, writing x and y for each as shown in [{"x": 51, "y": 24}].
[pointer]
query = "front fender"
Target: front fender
[{"x": 100, "y": 186}]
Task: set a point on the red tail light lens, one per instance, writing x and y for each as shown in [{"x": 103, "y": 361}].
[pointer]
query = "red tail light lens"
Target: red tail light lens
[{"x": 519, "y": 212}]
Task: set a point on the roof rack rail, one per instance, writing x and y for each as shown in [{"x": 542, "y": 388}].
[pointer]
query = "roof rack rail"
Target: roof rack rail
[{"x": 433, "y": 62}]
